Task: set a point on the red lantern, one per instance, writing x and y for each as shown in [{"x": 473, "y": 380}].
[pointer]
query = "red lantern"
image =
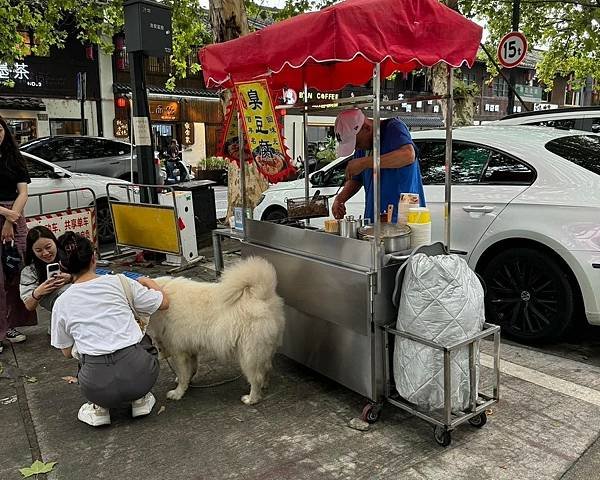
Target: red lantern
[{"x": 121, "y": 102}]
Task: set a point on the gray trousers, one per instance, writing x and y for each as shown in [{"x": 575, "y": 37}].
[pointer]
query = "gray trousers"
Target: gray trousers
[{"x": 121, "y": 377}]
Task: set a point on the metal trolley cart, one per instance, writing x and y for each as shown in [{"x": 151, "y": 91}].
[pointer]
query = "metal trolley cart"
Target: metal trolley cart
[{"x": 447, "y": 420}]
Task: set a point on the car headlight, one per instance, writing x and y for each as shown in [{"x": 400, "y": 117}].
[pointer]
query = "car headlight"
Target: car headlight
[{"x": 262, "y": 197}]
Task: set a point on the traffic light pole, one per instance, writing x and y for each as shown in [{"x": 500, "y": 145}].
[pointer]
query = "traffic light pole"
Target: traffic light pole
[
  {"x": 144, "y": 147},
  {"x": 516, "y": 17}
]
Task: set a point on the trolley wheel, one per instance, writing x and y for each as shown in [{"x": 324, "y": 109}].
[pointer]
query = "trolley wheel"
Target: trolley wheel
[
  {"x": 371, "y": 413},
  {"x": 442, "y": 436},
  {"x": 479, "y": 421}
]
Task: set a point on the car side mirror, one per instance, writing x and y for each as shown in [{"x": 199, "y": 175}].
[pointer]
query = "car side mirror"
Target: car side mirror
[
  {"x": 317, "y": 179},
  {"x": 58, "y": 174}
]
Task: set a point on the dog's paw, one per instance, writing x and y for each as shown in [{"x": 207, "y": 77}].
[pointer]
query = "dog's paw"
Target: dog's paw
[
  {"x": 174, "y": 395},
  {"x": 248, "y": 400}
]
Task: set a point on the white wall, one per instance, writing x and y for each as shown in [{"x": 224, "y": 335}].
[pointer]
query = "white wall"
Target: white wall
[
  {"x": 107, "y": 97},
  {"x": 192, "y": 154}
]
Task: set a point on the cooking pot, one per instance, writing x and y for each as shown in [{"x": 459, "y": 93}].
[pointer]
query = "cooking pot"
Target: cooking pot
[{"x": 395, "y": 238}]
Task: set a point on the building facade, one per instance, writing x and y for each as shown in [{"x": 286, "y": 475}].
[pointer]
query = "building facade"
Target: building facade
[{"x": 45, "y": 98}]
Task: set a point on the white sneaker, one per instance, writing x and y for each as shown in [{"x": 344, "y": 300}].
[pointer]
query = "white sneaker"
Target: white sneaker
[
  {"x": 93, "y": 415},
  {"x": 143, "y": 406}
]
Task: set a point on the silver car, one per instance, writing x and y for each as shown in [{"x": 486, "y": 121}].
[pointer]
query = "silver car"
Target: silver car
[{"x": 95, "y": 155}]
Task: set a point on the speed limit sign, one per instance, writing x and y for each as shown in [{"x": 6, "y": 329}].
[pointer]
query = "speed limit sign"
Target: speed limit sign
[{"x": 512, "y": 49}]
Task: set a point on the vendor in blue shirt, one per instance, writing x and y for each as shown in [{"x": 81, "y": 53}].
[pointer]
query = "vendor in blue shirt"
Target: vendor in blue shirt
[{"x": 400, "y": 172}]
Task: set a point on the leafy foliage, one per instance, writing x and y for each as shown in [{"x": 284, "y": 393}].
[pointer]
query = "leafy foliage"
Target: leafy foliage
[
  {"x": 95, "y": 22},
  {"x": 568, "y": 29},
  {"x": 213, "y": 163}
]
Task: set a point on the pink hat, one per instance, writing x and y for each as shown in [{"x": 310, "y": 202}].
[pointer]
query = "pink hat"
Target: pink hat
[{"x": 347, "y": 125}]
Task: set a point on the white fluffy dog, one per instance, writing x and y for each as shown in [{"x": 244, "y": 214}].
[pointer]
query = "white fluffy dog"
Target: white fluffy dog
[{"x": 239, "y": 318}]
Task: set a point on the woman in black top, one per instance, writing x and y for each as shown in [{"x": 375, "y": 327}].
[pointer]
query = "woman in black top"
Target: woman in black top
[{"x": 13, "y": 196}]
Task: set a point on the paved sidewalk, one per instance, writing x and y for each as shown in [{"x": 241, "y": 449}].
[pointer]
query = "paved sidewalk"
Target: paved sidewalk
[{"x": 300, "y": 429}]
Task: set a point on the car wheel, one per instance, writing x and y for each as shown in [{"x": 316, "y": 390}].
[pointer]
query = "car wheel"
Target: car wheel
[
  {"x": 275, "y": 214},
  {"x": 106, "y": 233},
  {"x": 529, "y": 294}
]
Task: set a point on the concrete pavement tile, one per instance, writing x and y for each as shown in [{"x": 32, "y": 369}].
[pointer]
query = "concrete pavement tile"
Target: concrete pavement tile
[
  {"x": 563, "y": 368},
  {"x": 14, "y": 446}
]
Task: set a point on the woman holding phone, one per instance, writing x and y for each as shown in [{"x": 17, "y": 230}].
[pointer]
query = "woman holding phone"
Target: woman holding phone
[
  {"x": 13, "y": 197},
  {"x": 42, "y": 281}
]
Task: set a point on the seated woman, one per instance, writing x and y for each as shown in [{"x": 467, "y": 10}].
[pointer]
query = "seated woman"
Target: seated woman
[
  {"x": 118, "y": 363},
  {"x": 36, "y": 289}
]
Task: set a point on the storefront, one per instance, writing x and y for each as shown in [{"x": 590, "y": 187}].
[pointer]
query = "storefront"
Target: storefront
[
  {"x": 44, "y": 97},
  {"x": 192, "y": 117}
]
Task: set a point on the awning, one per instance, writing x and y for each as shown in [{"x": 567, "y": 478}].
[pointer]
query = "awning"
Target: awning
[
  {"x": 339, "y": 45},
  {"x": 123, "y": 88},
  {"x": 21, "y": 103}
]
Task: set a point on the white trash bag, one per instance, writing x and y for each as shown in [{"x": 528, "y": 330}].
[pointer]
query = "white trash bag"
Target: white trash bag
[{"x": 443, "y": 301}]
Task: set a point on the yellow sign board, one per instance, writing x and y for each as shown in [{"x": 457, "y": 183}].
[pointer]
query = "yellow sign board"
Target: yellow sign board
[{"x": 132, "y": 227}]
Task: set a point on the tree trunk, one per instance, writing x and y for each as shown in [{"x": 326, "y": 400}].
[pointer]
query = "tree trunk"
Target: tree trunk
[
  {"x": 464, "y": 106},
  {"x": 228, "y": 20}
]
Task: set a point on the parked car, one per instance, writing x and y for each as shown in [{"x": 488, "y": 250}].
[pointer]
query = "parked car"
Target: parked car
[
  {"x": 525, "y": 215},
  {"x": 575, "y": 118},
  {"x": 47, "y": 177}
]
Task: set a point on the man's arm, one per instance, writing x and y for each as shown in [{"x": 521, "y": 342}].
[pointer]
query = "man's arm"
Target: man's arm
[
  {"x": 350, "y": 188},
  {"x": 401, "y": 157}
]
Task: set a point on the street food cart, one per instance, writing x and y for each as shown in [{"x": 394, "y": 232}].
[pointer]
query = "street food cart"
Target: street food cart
[{"x": 338, "y": 290}]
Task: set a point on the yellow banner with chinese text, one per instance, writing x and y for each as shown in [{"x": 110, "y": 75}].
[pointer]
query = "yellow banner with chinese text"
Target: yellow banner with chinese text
[{"x": 262, "y": 130}]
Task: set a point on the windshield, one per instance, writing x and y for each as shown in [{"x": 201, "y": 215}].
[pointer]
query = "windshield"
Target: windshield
[{"x": 583, "y": 150}]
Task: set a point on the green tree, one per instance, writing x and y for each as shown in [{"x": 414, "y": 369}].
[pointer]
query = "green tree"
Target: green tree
[
  {"x": 568, "y": 31},
  {"x": 95, "y": 22}
]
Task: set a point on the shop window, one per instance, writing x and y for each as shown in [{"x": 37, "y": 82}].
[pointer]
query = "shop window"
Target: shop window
[
  {"x": 65, "y": 126},
  {"x": 572, "y": 97},
  {"x": 23, "y": 129},
  {"x": 500, "y": 87}
]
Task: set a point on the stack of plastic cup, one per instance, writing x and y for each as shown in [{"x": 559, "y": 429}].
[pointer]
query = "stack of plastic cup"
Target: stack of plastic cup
[{"x": 419, "y": 221}]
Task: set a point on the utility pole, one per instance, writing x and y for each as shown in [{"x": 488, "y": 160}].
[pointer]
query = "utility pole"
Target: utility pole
[
  {"x": 148, "y": 32},
  {"x": 81, "y": 95},
  {"x": 516, "y": 17}
]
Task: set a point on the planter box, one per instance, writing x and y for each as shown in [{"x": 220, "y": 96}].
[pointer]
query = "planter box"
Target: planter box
[{"x": 218, "y": 176}]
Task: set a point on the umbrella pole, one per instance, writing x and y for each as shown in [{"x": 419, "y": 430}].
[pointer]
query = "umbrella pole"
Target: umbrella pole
[
  {"x": 305, "y": 147},
  {"x": 377, "y": 171},
  {"x": 448, "y": 183},
  {"x": 241, "y": 143}
]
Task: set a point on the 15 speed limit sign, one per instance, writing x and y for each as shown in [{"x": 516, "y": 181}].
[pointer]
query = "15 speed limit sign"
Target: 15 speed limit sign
[{"x": 512, "y": 49}]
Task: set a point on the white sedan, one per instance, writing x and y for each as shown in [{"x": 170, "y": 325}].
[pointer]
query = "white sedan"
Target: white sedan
[
  {"x": 525, "y": 215},
  {"x": 47, "y": 177}
]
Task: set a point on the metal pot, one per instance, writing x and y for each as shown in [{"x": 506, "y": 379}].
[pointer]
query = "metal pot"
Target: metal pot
[
  {"x": 349, "y": 227},
  {"x": 395, "y": 238}
]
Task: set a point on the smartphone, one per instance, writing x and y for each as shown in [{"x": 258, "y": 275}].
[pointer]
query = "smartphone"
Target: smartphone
[{"x": 52, "y": 270}]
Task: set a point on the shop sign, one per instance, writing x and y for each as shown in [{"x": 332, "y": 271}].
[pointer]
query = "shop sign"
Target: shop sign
[
  {"x": 188, "y": 133},
  {"x": 529, "y": 93},
  {"x": 18, "y": 73},
  {"x": 164, "y": 111},
  {"x": 262, "y": 130},
  {"x": 121, "y": 128}
]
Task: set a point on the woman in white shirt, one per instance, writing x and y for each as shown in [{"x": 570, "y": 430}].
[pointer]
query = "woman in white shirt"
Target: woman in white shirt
[{"x": 118, "y": 363}]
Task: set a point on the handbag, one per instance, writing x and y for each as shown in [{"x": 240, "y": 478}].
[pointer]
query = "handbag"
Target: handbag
[
  {"x": 11, "y": 259},
  {"x": 142, "y": 320}
]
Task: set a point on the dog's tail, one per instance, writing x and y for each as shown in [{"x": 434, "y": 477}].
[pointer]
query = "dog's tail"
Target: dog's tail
[{"x": 254, "y": 276}]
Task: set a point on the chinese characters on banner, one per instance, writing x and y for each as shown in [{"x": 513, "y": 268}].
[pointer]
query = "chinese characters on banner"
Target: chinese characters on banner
[
  {"x": 188, "y": 133},
  {"x": 80, "y": 221},
  {"x": 229, "y": 146},
  {"x": 262, "y": 130},
  {"x": 121, "y": 128}
]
